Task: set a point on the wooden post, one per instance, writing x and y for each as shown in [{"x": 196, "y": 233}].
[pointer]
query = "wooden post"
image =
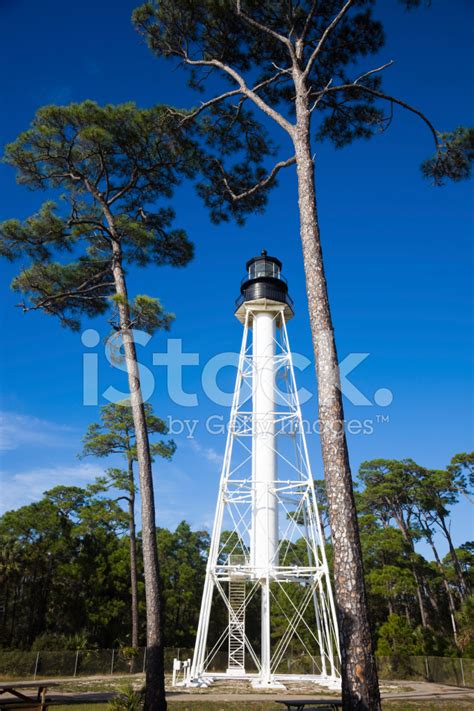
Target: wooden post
[
  {"x": 76, "y": 661},
  {"x": 462, "y": 671}
]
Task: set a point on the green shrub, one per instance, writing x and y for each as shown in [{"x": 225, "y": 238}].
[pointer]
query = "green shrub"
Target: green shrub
[
  {"x": 127, "y": 700},
  {"x": 50, "y": 641}
]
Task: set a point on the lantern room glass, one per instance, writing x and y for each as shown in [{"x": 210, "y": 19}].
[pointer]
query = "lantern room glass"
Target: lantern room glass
[{"x": 264, "y": 268}]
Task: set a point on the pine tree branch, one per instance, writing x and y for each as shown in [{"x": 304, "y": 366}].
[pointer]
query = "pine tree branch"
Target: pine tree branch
[
  {"x": 105, "y": 172},
  {"x": 99, "y": 225},
  {"x": 266, "y": 30},
  {"x": 320, "y": 96},
  {"x": 122, "y": 498},
  {"x": 324, "y": 37},
  {"x": 226, "y": 95},
  {"x": 307, "y": 24},
  {"x": 204, "y": 105},
  {"x": 83, "y": 295},
  {"x": 131, "y": 183},
  {"x": 80, "y": 292},
  {"x": 262, "y": 184},
  {"x": 386, "y": 97},
  {"x": 250, "y": 93},
  {"x": 374, "y": 71},
  {"x": 71, "y": 176}
]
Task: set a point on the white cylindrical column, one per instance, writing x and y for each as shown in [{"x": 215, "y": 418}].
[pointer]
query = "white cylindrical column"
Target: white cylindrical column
[
  {"x": 265, "y": 510},
  {"x": 265, "y": 656}
]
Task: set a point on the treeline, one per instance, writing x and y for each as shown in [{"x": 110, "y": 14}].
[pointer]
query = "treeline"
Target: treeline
[
  {"x": 418, "y": 605},
  {"x": 65, "y": 566}
]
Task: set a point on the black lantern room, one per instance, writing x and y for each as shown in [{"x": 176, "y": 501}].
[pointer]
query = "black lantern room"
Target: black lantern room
[{"x": 264, "y": 281}]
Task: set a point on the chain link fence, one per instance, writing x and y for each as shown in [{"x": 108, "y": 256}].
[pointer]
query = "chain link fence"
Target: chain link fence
[
  {"x": 455, "y": 671},
  {"x": 105, "y": 662}
]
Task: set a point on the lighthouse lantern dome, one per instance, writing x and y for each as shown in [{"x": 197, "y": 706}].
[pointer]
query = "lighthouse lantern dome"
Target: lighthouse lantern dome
[{"x": 264, "y": 284}]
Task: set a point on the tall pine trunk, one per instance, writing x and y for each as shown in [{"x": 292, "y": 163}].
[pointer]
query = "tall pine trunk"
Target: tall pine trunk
[
  {"x": 133, "y": 554},
  {"x": 389, "y": 587},
  {"x": 442, "y": 571},
  {"x": 454, "y": 558},
  {"x": 419, "y": 582},
  {"x": 419, "y": 592},
  {"x": 360, "y": 690},
  {"x": 155, "y": 698}
]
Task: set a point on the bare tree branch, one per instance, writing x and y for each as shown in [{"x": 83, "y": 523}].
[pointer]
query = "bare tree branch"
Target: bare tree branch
[
  {"x": 325, "y": 35},
  {"x": 204, "y": 105},
  {"x": 226, "y": 95},
  {"x": 373, "y": 71},
  {"x": 321, "y": 96},
  {"x": 250, "y": 93},
  {"x": 271, "y": 79},
  {"x": 54, "y": 176},
  {"x": 262, "y": 184},
  {"x": 283, "y": 70}
]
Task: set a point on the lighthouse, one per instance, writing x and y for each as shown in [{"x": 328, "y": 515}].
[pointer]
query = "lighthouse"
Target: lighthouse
[
  {"x": 267, "y": 562},
  {"x": 265, "y": 288}
]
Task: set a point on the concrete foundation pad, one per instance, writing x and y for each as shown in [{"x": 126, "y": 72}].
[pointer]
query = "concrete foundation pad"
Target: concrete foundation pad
[{"x": 272, "y": 684}]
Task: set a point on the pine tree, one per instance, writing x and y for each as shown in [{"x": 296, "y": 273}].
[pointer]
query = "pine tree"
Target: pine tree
[
  {"x": 116, "y": 435},
  {"x": 111, "y": 164}
]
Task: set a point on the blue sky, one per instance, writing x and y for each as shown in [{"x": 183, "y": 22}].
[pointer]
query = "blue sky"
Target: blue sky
[{"x": 398, "y": 256}]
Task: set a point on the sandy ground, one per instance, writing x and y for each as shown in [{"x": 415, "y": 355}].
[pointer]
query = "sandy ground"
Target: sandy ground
[{"x": 90, "y": 689}]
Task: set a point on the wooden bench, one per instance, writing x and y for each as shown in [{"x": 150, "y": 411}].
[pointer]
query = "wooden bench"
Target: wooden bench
[{"x": 322, "y": 704}]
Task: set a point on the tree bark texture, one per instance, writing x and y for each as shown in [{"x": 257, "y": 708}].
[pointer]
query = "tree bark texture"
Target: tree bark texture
[
  {"x": 155, "y": 698},
  {"x": 133, "y": 555},
  {"x": 360, "y": 690}
]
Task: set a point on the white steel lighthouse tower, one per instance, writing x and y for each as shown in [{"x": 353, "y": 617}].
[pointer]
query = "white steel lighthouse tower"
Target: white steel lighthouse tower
[{"x": 267, "y": 602}]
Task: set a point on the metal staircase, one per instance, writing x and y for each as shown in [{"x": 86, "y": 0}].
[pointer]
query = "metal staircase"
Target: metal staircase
[{"x": 236, "y": 607}]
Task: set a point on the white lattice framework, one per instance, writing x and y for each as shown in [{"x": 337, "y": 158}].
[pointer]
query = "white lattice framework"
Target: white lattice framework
[{"x": 294, "y": 588}]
